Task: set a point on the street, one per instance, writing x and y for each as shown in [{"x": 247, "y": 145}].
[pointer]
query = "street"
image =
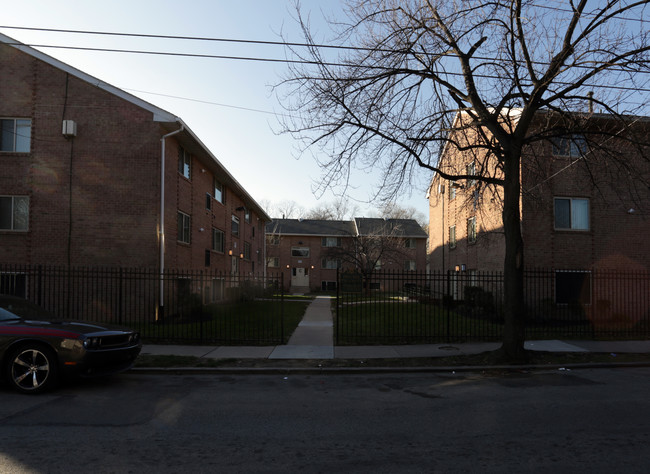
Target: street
[{"x": 549, "y": 421}]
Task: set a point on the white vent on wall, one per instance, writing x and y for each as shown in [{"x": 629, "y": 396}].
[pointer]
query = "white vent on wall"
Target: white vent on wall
[{"x": 69, "y": 128}]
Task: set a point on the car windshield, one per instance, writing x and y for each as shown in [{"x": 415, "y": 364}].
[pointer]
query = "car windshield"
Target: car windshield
[
  {"x": 16, "y": 308},
  {"x": 7, "y": 315}
]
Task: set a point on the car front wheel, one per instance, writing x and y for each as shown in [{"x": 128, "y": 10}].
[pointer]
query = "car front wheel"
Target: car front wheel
[{"x": 32, "y": 369}]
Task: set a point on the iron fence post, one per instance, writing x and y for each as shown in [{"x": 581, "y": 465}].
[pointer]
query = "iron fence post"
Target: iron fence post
[{"x": 281, "y": 307}]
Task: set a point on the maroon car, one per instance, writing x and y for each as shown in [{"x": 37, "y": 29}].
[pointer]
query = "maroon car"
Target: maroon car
[{"x": 36, "y": 349}]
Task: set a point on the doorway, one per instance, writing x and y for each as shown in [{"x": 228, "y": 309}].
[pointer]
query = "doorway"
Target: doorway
[{"x": 299, "y": 277}]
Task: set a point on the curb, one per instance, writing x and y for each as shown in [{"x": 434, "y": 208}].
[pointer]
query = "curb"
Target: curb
[{"x": 373, "y": 370}]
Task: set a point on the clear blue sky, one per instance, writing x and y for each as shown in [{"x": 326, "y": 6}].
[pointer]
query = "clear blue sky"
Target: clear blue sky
[{"x": 210, "y": 95}]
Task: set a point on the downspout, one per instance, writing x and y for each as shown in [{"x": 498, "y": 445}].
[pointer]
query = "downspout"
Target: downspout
[{"x": 161, "y": 307}]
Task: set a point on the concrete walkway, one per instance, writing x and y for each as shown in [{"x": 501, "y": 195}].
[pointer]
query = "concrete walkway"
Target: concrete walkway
[{"x": 314, "y": 339}]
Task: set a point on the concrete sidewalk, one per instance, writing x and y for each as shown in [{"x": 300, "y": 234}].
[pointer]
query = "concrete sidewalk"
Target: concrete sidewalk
[{"x": 314, "y": 339}]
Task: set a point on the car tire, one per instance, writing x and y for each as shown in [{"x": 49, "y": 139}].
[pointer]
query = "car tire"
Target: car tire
[{"x": 32, "y": 368}]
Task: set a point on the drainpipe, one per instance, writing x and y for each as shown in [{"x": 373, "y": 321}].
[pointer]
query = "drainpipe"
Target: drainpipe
[{"x": 162, "y": 222}]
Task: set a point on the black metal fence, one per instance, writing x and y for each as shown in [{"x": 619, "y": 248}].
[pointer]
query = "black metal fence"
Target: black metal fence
[
  {"x": 175, "y": 306},
  {"x": 410, "y": 307},
  {"x": 384, "y": 308}
]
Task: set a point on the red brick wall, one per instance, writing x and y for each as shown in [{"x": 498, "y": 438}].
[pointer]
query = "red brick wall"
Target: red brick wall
[
  {"x": 110, "y": 215},
  {"x": 317, "y": 274},
  {"x": 616, "y": 238}
]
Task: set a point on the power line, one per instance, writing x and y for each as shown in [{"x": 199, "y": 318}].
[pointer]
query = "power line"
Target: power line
[
  {"x": 236, "y": 41},
  {"x": 292, "y": 61}
]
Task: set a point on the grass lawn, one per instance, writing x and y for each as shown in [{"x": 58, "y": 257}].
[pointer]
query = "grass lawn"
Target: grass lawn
[
  {"x": 395, "y": 322},
  {"x": 390, "y": 321},
  {"x": 245, "y": 323}
]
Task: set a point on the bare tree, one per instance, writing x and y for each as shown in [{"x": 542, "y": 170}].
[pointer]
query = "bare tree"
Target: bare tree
[
  {"x": 394, "y": 211},
  {"x": 337, "y": 210},
  {"x": 364, "y": 252},
  {"x": 285, "y": 209},
  {"x": 412, "y": 77}
]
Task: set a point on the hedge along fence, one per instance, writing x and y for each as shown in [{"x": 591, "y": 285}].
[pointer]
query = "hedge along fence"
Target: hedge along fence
[{"x": 411, "y": 307}]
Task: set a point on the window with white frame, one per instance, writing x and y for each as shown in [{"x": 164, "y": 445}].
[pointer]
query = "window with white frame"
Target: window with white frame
[
  {"x": 183, "y": 227},
  {"x": 471, "y": 230},
  {"x": 234, "y": 225},
  {"x": 219, "y": 191},
  {"x": 300, "y": 251},
  {"x": 409, "y": 265},
  {"x": 470, "y": 169},
  {"x": 330, "y": 263},
  {"x": 331, "y": 241},
  {"x": 218, "y": 240},
  {"x": 571, "y": 213},
  {"x": 14, "y": 213},
  {"x": 184, "y": 162},
  {"x": 15, "y": 135},
  {"x": 571, "y": 145},
  {"x": 452, "y": 237},
  {"x": 274, "y": 262}
]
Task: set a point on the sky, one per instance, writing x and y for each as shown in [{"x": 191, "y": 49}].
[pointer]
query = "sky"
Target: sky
[{"x": 228, "y": 103}]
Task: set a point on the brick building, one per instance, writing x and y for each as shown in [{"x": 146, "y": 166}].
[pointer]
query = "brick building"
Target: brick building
[
  {"x": 81, "y": 180},
  {"x": 309, "y": 252},
  {"x": 574, "y": 215}
]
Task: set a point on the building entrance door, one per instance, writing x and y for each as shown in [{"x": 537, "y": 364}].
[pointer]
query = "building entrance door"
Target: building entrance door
[{"x": 299, "y": 277}]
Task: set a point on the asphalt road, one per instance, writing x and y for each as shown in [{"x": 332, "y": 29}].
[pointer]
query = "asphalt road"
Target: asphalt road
[{"x": 554, "y": 421}]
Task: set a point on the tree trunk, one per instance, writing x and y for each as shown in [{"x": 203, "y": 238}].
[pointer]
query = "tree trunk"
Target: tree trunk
[{"x": 513, "y": 267}]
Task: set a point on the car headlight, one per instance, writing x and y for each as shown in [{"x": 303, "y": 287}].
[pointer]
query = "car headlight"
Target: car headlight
[{"x": 92, "y": 343}]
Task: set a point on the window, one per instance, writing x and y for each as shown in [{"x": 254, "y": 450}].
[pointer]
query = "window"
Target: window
[
  {"x": 218, "y": 240},
  {"x": 409, "y": 265},
  {"x": 452, "y": 237},
  {"x": 235, "y": 225},
  {"x": 571, "y": 214},
  {"x": 571, "y": 145},
  {"x": 247, "y": 250},
  {"x": 274, "y": 262},
  {"x": 471, "y": 230},
  {"x": 219, "y": 191},
  {"x": 300, "y": 251},
  {"x": 14, "y": 284},
  {"x": 247, "y": 215},
  {"x": 273, "y": 239},
  {"x": 470, "y": 169},
  {"x": 452, "y": 191},
  {"x": 184, "y": 162},
  {"x": 14, "y": 213},
  {"x": 572, "y": 287},
  {"x": 208, "y": 202},
  {"x": 331, "y": 263},
  {"x": 183, "y": 228},
  {"x": 331, "y": 242},
  {"x": 410, "y": 243},
  {"x": 15, "y": 135}
]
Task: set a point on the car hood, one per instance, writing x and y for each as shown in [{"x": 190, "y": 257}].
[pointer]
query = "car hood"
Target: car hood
[{"x": 78, "y": 327}]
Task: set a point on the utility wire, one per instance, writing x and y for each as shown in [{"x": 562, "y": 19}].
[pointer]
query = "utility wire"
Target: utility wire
[{"x": 294, "y": 61}]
